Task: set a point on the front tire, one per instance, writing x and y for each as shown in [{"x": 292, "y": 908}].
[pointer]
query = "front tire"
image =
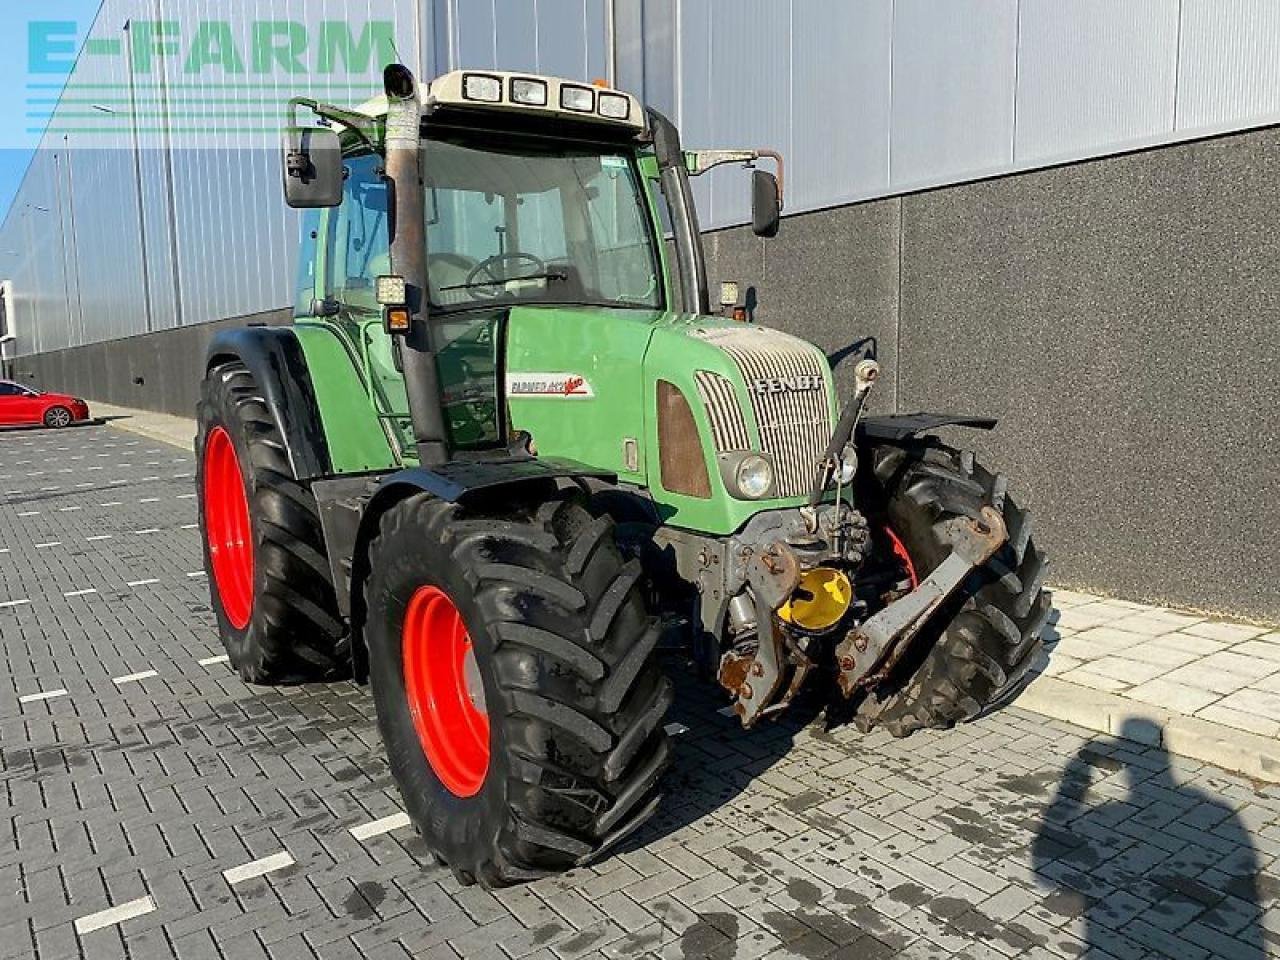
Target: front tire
[
  {"x": 269, "y": 579},
  {"x": 526, "y": 736},
  {"x": 57, "y": 417},
  {"x": 979, "y": 647}
]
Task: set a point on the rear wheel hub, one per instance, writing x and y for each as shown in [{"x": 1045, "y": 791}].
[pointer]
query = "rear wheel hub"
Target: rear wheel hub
[
  {"x": 445, "y": 693},
  {"x": 227, "y": 527}
]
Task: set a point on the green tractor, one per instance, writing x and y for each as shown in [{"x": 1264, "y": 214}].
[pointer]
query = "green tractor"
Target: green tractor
[{"x": 506, "y": 454}]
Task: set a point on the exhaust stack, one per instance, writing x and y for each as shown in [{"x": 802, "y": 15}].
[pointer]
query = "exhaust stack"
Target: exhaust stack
[{"x": 409, "y": 260}]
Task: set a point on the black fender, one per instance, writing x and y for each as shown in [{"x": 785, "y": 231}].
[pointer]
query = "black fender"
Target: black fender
[
  {"x": 279, "y": 367},
  {"x": 900, "y": 427},
  {"x": 458, "y": 481}
]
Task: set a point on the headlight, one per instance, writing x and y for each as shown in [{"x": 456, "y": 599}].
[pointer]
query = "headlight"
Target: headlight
[
  {"x": 577, "y": 99},
  {"x": 615, "y": 106},
  {"x": 482, "y": 87},
  {"x": 530, "y": 92},
  {"x": 753, "y": 476}
]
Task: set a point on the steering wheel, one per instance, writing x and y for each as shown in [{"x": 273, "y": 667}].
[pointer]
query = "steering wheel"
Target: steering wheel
[{"x": 495, "y": 269}]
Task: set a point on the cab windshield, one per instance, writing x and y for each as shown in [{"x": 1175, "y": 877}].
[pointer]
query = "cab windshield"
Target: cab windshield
[{"x": 536, "y": 222}]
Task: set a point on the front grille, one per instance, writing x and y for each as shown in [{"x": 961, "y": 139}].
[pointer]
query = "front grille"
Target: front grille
[{"x": 795, "y": 424}]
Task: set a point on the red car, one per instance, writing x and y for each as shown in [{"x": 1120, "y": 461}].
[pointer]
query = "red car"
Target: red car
[{"x": 22, "y": 405}]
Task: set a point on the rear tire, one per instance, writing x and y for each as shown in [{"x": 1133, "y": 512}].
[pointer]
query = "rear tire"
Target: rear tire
[
  {"x": 571, "y": 691},
  {"x": 978, "y": 649},
  {"x": 57, "y": 417},
  {"x": 271, "y": 587}
]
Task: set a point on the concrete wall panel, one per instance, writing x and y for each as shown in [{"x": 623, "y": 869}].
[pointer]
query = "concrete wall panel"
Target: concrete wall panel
[
  {"x": 1119, "y": 317},
  {"x": 830, "y": 277}
]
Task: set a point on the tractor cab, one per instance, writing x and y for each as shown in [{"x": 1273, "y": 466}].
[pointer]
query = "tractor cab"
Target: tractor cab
[{"x": 530, "y": 192}]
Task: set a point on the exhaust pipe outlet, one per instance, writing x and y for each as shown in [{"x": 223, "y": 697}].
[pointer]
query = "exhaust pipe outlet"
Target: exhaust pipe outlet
[{"x": 408, "y": 229}]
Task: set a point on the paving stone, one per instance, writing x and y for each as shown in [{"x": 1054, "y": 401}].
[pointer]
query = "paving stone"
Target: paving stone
[{"x": 977, "y": 842}]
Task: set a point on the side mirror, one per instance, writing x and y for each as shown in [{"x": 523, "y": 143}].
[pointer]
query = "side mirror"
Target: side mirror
[
  {"x": 312, "y": 159},
  {"x": 766, "y": 211}
]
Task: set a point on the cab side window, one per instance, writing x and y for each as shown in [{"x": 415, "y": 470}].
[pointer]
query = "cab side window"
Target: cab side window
[{"x": 358, "y": 241}]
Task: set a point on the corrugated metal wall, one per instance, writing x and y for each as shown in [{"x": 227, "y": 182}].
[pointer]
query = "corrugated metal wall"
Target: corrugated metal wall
[
  {"x": 867, "y": 98},
  {"x": 870, "y": 98}
]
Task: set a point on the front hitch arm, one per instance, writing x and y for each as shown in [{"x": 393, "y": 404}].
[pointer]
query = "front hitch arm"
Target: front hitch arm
[{"x": 870, "y": 650}]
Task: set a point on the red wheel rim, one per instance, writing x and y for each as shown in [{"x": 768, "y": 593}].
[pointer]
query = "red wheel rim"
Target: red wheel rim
[
  {"x": 227, "y": 527},
  {"x": 445, "y": 694},
  {"x": 900, "y": 551}
]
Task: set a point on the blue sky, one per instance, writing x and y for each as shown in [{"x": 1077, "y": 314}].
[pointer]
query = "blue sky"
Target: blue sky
[{"x": 15, "y": 143}]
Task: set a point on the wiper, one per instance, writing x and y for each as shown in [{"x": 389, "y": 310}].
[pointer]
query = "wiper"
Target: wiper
[{"x": 549, "y": 275}]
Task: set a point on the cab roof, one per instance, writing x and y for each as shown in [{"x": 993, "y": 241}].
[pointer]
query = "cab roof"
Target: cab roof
[{"x": 527, "y": 94}]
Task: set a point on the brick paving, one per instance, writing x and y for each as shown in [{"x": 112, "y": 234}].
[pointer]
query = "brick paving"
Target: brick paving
[
  {"x": 1212, "y": 669},
  {"x": 184, "y": 814}
]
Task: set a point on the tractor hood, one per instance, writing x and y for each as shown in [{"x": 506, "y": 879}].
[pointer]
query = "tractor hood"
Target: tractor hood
[{"x": 671, "y": 402}]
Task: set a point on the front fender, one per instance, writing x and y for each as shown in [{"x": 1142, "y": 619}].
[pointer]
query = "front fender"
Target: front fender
[
  {"x": 459, "y": 481},
  {"x": 279, "y": 367}
]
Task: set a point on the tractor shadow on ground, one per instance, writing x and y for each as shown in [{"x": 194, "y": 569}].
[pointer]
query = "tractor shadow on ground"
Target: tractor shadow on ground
[{"x": 714, "y": 758}]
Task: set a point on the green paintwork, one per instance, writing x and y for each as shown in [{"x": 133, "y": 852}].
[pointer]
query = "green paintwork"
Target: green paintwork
[
  {"x": 620, "y": 353},
  {"x": 357, "y": 440}
]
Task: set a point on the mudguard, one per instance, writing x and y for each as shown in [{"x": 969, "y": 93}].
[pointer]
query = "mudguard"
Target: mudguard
[
  {"x": 458, "y": 481},
  {"x": 897, "y": 427},
  {"x": 279, "y": 367}
]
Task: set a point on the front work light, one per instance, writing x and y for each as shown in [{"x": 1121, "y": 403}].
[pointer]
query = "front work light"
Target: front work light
[
  {"x": 530, "y": 93},
  {"x": 389, "y": 289},
  {"x": 614, "y": 106},
  {"x": 482, "y": 87},
  {"x": 577, "y": 99}
]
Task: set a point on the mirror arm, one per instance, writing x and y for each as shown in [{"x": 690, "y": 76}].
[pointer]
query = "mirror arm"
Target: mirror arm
[
  {"x": 699, "y": 162},
  {"x": 361, "y": 125}
]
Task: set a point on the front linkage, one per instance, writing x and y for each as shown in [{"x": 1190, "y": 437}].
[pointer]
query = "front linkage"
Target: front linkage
[{"x": 771, "y": 577}]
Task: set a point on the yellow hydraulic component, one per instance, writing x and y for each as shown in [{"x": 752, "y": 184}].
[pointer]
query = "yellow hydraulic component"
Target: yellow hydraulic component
[{"x": 820, "y": 600}]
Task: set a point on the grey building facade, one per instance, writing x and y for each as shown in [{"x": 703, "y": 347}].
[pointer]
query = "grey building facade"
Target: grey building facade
[{"x": 1058, "y": 212}]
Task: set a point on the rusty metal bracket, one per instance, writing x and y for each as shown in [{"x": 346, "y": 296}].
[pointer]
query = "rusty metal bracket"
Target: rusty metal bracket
[
  {"x": 772, "y": 574},
  {"x": 870, "y": 650}
]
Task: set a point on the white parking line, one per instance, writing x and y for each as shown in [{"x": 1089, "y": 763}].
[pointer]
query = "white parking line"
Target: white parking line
[
  {"x": 130, "y": 677},
  {"x": 375, "y": 828},
  {"x": 145, "y": 479},
  {"x": 111, "y": 503},
  {"x": 46, "y": 695},
  {"x": 181, "y": 476},
  {"x": 51, "y": 543},
  {"x": 141, "y": 583},
  {"x": 80, "y": 593},
  {"x": 114, "y": 915},
  {"x": 185, "y": 496},
  {"x": 68, "y": 509},
  {"x": 29, "y": 513},
  {"x": 13, "y": 603},
  {"x": 100, "y": 536},
  {"x": 149, "y": 500},
  {"x": 210, "y": 661},
  {"x": 256, "y": 868},
  {"x": 148, "y": 530},
  {"x": 196, "y": 573},
  {"x": 189, "y": 526}
]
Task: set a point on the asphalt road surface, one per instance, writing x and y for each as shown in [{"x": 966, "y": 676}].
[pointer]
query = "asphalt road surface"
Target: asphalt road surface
[{"x": 153, "y": 805}]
